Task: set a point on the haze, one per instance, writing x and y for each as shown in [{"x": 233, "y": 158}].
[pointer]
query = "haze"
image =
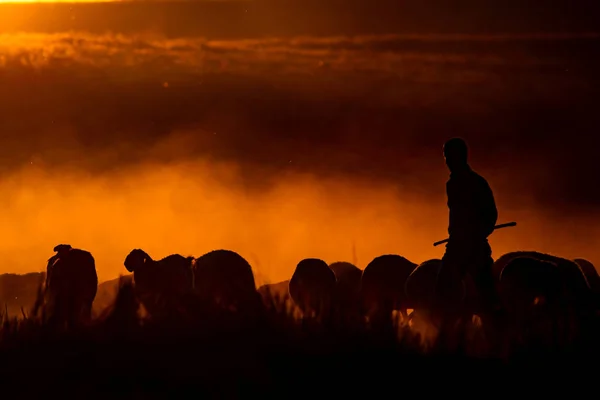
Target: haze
[
  {"x": 283, "y": 147},
  {"x": 193, "y": 208}
]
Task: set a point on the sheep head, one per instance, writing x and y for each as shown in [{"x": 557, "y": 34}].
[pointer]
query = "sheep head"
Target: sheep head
[
  {"x": 136, "y": 259},
  {"x": 62, "y": 248}
]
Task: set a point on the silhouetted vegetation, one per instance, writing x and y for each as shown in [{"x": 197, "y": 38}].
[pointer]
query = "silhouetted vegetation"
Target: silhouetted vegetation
[{"x": 274, "y": 349}]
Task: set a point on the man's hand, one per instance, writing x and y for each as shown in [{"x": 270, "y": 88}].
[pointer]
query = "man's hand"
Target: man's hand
[{"x": 506, "y": 225}]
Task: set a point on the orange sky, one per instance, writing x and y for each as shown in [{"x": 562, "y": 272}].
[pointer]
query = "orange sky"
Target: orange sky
[
  {"x": 193, "y": 208},
  {"x": 54, "y": 1},
  {"x": 101, "y": 89}
]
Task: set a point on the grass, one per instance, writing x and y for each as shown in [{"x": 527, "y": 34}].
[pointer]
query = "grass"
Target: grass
[{"x": 271, "y": 354}]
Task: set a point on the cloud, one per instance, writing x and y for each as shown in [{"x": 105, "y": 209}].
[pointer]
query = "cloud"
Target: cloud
[
  {"x": 286, "y": 148},
  {"x": 380, "y": 52}
]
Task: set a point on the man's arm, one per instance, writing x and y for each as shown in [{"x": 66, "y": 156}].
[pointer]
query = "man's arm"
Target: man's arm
[
  {"x": 489, "y": 210},
  {"x": 450, "y": 203}
]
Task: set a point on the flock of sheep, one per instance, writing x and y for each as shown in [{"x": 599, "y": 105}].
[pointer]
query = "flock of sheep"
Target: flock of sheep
[{"x": 532, "y": 286}]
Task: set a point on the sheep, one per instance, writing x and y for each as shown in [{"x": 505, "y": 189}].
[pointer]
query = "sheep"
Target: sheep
[
  {"x": 527, "y": 282},
  {"x": 575, "y": 290},
  {"x": 460, "y": 296},
  {"x": 382, "y": 286},
  {"x": 348, "y": 277},
  {"x": 18, "y": 292},
  {"x": 71, "y": 285},
  {"x": 590, "y": 272},
  {"x": 593, "y": 280},
  {"x": 421, "y": 285},
  {"x": 275, "y": 294},
  {"x": 312, "y": 288},
  {"x": 161, "y": 285},
  {"x": 223, "y": 278},
  {"x": 544, "y": 289}
]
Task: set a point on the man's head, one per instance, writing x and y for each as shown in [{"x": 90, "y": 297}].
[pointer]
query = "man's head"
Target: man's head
[{"x": 455, "y": 152}]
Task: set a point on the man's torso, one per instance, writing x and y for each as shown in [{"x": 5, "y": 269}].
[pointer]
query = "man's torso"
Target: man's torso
[{"x": 472, "y": 207}]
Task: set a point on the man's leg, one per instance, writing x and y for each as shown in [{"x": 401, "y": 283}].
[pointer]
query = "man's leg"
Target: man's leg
[
  {"x": 489, "y": 302},
  {"x": 482, "y": 274},
  {"x": 448, "y": 287},
  {"x": 486, "y": 288}
]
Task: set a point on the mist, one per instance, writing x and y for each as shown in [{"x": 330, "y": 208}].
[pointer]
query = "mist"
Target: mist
[
  {"x": 287, "y": 148},
  {"x": 197, "y": 206}
]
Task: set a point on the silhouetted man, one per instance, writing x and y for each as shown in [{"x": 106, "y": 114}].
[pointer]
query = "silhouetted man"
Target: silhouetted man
[{"x": 473, "y": 215}]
